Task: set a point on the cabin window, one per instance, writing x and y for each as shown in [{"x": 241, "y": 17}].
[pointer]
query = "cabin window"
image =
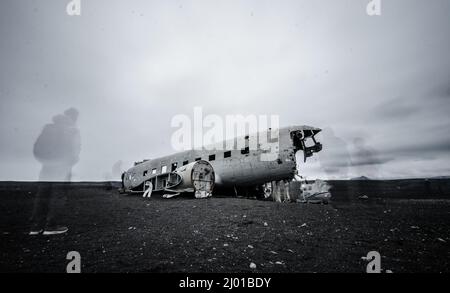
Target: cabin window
[
  {"x": 174, "y": 166},
  {"x": 154, "y": 171},
  {"x": 245, "y": 151},
  {"x": 145, "y": 173},
  {"x": 185, "y": 163},
  {"x": 164, "y": 169},
  {"x": 198, "y": 159},
  {"x": 212, "y": 157},
  {"x": 227, "y": 154}
]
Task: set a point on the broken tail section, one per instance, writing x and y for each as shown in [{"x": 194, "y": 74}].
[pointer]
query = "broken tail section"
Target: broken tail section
[{"x": 197, "y": 177}]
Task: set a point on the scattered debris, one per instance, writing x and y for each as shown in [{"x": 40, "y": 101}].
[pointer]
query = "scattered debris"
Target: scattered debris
[
  {"x": 316, "y": 192},
  {"x": 170, "y": 195}
]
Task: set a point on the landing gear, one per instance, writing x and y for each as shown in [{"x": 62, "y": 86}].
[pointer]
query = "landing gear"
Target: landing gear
[
  {"x": 149, "y": 189},
  {"x": 277, "y": 190}
]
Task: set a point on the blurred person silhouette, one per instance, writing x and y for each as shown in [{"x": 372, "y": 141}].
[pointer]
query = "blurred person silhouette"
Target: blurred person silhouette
[
  {"x": 117, "y": 170},
  {"x": 365, "y": 162},
  {"x": 334, "y": 158},
  {"x": 335, "y": 161},
  {"x": 57, "y": 148},
  {"x": 115, "y": 175},
  {"x": 364, "y": 159}
]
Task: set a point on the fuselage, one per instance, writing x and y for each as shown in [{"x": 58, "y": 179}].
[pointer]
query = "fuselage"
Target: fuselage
[{"x": 233, "y": 167}]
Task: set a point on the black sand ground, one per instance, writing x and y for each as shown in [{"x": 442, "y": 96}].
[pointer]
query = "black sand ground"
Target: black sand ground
[{"x": 119, "y": 233}]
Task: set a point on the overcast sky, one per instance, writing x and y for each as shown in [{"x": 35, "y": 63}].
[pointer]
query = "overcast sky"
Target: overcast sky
[{"x": 379, "y": 85}]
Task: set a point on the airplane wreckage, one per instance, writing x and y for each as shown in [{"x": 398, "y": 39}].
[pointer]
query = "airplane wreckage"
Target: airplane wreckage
[{"x": 241, "y": 170}]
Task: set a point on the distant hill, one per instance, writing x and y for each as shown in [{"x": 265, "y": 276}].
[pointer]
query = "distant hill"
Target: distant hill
[
  {"x": 360, "y": 178},
  {"x": 440, "y": 177}
]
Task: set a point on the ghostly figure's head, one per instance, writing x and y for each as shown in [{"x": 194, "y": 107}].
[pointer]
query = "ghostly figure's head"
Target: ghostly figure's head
[
  {"x": 72, "y": 113},
  {"x": 61, "y": 120}
]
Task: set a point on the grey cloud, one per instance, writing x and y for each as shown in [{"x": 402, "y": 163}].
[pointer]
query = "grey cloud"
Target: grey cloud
[{"x": 130, "y": 66}]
